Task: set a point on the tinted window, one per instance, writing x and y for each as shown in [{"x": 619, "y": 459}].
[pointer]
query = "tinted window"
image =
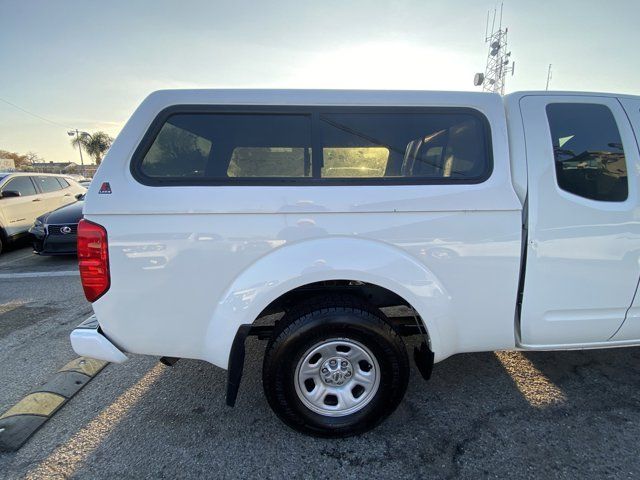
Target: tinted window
[
  {"x": 48, "y": 184},
  {"x": 434, "y": 146},
  {"x": 63, "y": 183},
  {"x": 442, "y": 146},
  {"x": 24, "y": 185},
  {"x": 230, "y": 146},
  {"x": 588, "y": 151},
  {"x": 177, "y": 150}
]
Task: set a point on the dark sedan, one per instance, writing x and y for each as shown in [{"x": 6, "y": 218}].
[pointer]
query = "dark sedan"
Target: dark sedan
[{"x": 55, "y": 233}]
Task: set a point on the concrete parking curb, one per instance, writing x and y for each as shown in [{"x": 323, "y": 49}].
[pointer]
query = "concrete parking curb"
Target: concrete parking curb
[{"x": 22, "y": 420}]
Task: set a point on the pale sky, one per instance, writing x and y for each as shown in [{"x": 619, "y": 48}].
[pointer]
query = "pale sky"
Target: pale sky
[{"x": 88, "y": 65}]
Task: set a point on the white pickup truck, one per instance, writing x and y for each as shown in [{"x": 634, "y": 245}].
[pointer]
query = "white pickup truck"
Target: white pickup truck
[{"x": 489, "y": 222}]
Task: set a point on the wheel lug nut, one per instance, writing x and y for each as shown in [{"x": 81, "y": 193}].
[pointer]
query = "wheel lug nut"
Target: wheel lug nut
[
  {"x": 324, "y": 370},
  {"x": 333, "y": 362},
  {"x": 347, "y": 374},
  {"x": 343, "y": 364}
]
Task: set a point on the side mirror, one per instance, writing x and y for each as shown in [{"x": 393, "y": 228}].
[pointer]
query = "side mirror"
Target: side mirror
[
  {"x": 10, "y": 194},
  {"x": 80, "y": 196}
]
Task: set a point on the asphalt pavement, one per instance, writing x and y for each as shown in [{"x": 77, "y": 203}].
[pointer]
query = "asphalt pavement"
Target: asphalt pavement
[{"x": 487, "y": 415}]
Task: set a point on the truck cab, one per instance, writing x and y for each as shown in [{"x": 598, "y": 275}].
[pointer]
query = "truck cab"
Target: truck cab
[{"x": 580, "y": 256}]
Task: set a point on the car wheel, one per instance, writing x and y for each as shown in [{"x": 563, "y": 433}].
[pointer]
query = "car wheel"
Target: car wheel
[{"x": 335, "y": 367}]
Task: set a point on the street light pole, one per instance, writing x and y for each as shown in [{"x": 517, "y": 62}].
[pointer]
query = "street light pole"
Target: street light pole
[{"x": 80, "y": 150}]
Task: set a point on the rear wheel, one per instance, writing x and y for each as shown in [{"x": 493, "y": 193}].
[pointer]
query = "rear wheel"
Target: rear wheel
[{"x": 335, "y": 367}]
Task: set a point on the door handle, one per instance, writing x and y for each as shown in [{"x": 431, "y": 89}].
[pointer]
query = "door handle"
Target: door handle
[
  {"x": 67, "y": 194},
  {"x": 35, "y": 200}
]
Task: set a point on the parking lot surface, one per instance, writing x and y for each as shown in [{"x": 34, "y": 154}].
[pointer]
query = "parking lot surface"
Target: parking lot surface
[{"x": 491, "y": 415}]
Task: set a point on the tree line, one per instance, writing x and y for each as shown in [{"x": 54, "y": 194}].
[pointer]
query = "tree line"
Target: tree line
[{"x": 21, "y": 161}]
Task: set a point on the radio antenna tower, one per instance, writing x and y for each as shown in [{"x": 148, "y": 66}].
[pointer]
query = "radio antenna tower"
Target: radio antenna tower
[{"x": 499, "y": 57}]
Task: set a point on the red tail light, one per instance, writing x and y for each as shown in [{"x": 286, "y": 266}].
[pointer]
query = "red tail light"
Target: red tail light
[{"x": 93, "y": 259}]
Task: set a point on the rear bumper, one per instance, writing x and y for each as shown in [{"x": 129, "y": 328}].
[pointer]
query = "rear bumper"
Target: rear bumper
[{"x": 87, "y": 340}]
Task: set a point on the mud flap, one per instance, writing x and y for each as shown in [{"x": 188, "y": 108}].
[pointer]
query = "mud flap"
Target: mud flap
[
  {"x": 236, "y": 364},
  {"x": 423, "y": 356}
]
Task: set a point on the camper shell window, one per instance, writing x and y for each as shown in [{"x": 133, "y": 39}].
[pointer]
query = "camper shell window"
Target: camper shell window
[{"x": 196, "y": 145}]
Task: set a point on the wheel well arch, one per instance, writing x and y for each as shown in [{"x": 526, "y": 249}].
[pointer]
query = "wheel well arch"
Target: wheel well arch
[
  {"x": 291, "y": 268},
  {"x": 400, "y": 312}
]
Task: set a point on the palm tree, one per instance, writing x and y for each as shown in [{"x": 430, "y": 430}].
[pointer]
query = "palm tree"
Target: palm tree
[{"x": 95, "y": 145}]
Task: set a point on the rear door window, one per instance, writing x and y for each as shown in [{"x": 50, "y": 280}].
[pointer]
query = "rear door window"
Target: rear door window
[
  {"x": 63, "y": 183},
  {"x": 48, "y": 184},
  {"x": 588, "y": 151}
]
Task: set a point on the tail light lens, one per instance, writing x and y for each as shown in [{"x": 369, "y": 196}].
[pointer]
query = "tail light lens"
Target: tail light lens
[{"x": 93, "y": 259}]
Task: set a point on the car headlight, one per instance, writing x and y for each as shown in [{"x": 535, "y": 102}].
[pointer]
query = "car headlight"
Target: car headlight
[{"x": 37, "y": 227}]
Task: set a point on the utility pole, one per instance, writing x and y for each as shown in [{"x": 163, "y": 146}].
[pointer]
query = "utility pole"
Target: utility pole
[{"x": 548, "y": 77}]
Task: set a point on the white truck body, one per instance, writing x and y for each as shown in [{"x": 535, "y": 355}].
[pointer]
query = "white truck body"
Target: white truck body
[{"x": 512, "y": 261}]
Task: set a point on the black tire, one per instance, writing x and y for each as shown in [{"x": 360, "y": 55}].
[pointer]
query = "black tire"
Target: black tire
[{"x": 324, "y": 319}]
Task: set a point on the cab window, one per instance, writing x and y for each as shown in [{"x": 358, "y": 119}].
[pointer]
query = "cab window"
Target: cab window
[{"x": 588, "y": 151}]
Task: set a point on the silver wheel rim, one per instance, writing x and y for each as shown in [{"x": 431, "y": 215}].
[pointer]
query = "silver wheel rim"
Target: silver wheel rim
[{"x": 337, "y": 377}]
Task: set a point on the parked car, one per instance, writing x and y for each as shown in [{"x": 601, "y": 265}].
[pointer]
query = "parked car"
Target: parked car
[
  {"x": 55, "y": 233},
  {"x": 495, "y": 222},
  {"x": 26, "y": 196}
]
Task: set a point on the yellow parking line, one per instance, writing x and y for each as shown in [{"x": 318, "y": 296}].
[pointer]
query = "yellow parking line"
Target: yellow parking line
[
  {"x": 38, "y": 403},
  {"x": 65, "y": 460},
  {"x": 86, "y": 365},
  {"x": 534, "y": 385}
]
